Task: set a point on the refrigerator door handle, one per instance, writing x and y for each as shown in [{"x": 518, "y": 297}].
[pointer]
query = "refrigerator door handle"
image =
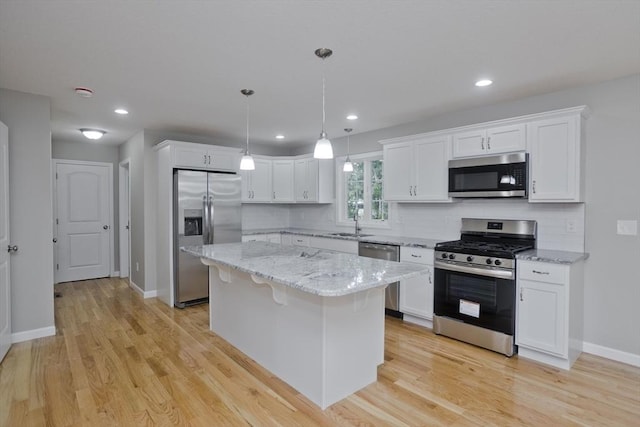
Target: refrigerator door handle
[
  {"x": 210, "y": 223},
  {"x": 205, "y": 225}
]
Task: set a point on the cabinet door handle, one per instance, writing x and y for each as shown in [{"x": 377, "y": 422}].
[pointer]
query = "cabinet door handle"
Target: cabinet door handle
[
  {"x": 274, "y": 194},
  {"x": 12, "y": 249},
  {"x": 482, "y": 143},
  {"x": 416, "y": 256},
  {"x": 534, "y": 186},
  {"x": 415, "y": 190},
  {"x": 209, "y": 159},
  {"x": 430, "y": 282},
  {"x": 521, "y": 297},
  {"x": 205, "y": 159},
  {"x": 544, "y": 273},
  {"x": 489, "y": 143},
  {"x": 410, "y": 193}
]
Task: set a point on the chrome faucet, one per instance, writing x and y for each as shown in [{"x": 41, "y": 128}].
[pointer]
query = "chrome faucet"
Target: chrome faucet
[{"x": 355, "y": 218}]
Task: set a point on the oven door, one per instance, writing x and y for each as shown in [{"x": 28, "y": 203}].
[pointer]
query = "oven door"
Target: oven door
[{"x": 478, "y": 296}]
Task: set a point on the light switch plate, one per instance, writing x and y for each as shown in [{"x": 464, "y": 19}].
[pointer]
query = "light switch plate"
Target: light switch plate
[{"x": 628, "y": 227}]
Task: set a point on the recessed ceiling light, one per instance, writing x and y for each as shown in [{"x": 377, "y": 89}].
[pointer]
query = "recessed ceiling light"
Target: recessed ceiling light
[
  {"x": 84, "y": 92},
  {"x": 352, "y": 117},
  {"x": 121, "y": 111},
  {"x": 279, "y": 136},
  {"x": 483, "y": 83},
  {"x": 92, "y": 133}
]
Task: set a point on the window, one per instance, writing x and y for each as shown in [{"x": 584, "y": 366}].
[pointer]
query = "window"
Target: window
[{"x": 361, "y": 192}]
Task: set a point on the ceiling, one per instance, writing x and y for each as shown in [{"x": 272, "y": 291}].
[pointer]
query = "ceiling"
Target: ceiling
[{"x": 178, "y": 66}]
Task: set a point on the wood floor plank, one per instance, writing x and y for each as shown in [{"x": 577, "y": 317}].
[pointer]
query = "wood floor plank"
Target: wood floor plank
[{"x": 120, "y": 360}]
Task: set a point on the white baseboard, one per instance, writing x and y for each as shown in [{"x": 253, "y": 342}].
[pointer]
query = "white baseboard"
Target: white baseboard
[
  {"x": 611, "y": 353},
  {"x": 144, "y": 294},
  {"x": 33, "y": 334},
  {"x": 115, "y": 274}
]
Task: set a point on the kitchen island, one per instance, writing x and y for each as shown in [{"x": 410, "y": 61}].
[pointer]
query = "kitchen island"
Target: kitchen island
[{"x": 314, "y": 318}]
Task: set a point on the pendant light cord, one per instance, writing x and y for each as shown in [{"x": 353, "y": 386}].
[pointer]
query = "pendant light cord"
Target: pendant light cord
[
  {"x": 247, "y": 150},
  {"x": 323, "y": 89}
]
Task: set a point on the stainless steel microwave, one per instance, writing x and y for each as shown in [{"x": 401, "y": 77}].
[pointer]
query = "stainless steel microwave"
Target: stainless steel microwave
[{"x": 492, "y": 176}]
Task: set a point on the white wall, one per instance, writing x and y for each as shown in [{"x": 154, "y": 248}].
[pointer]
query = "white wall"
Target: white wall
[
  {"x": 28, "y": 119},
  {"x": 612, "y": 281},
  {"x": 94, "y": 152}
]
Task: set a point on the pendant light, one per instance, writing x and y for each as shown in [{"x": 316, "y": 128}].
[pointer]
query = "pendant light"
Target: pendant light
[
  {"x": 323, "y": 149},
  {"x": 348, "y": 166},
  {"x": 247, "y": 163}
]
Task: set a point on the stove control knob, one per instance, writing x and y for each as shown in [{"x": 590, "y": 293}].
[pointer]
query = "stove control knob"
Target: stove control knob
[
  {"x": 452, "y": 256},
  {"x": 497, "y": 262},
  {"x": 489, "y": 260},
  {"x": 469, "y": 258},
  {"x": 444, "y": 256}
]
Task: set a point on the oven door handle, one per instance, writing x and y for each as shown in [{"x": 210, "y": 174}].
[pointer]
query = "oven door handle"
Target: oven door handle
[{"x": 500, "y": 274}]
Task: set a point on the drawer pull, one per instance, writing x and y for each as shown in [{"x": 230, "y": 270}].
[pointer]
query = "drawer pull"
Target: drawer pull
[
  {"x": 541, "y": 272},
  {"x": 416, "y": 256}
]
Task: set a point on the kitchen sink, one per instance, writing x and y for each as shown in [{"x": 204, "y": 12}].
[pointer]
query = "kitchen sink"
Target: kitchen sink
[{"x": 350, "y": 234}]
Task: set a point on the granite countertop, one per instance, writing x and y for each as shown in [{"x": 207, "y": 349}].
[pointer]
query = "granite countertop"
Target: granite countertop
[
  {"x": 364, "y": 237},
  {"x": 552, "y": 256},
  {"x": 316, "y": 271}
]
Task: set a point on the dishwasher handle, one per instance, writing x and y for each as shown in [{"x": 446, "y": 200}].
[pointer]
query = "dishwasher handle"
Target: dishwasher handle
[{"x": 387, "y": 252}]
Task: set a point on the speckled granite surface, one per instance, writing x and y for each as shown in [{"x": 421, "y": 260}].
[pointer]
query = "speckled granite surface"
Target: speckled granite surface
[
  {"x": 366, "y": 237},
  {"x": 551, "y": 256},
  {"x": 316, "y": 271}
]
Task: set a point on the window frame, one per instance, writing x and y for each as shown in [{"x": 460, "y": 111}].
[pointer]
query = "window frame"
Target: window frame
[{"x": 341, "y": 182}]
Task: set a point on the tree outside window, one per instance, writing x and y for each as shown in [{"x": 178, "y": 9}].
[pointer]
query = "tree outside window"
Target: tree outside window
[{"x": 363, "y": 191}]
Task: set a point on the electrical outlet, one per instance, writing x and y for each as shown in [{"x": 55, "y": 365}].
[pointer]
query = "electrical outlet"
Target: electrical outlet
[
  {"x": 627, "y": 227},
  {"x": 571, "y": 226},
  {"x": 137, "y": 266}
]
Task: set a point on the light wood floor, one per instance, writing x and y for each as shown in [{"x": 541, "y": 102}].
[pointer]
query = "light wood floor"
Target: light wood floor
[{"x": 120, "y": 360}]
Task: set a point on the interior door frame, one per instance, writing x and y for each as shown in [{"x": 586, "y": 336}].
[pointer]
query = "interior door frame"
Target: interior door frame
[
  {"x": 54, "y": 168},
  {"x": 124, "y": 216}
]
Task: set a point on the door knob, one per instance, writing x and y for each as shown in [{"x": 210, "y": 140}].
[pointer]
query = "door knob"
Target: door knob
[
  {"x": 13, "y": 248},
  {"x": 106, "y": 227},
  {"x": 55, "y": 240}
]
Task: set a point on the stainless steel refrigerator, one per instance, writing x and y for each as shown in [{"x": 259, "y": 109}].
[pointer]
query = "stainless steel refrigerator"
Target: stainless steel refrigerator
[{"x": 206, "y": 209}]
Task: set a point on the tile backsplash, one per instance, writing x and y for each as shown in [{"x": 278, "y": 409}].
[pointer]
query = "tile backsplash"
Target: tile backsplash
[{"x": 560, "y": 225}]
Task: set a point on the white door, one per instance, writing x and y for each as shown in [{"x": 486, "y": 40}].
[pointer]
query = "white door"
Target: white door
[
  {"x": 83, "y": 193},
  {"x": 5, "y": 264}
]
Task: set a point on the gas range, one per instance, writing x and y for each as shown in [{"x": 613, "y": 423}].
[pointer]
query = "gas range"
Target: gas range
[{"x": 475, "y": 282}]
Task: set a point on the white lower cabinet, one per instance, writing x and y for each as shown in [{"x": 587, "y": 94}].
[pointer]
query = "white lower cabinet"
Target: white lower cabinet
[
  {"x": 416, "y": 293},
  {"x": 549, "y": 312}
]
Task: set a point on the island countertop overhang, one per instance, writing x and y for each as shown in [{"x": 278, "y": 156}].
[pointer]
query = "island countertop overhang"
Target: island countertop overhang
[{"x": 316, "y": 271}]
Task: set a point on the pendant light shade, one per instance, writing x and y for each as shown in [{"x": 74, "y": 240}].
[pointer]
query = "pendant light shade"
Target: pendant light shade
[
  {"x": 323, "y": 149},
  {"x": 247, "y": 163},
  {"x": 348, "y": 166}
]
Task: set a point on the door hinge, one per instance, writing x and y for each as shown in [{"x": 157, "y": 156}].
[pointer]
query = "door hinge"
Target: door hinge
[
  {"x": 57, "y": 266},
  {"x": 57, "y": 221}
]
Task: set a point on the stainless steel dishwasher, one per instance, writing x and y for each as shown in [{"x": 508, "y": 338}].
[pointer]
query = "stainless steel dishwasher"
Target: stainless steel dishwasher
[{"x": 388, "y": 253}]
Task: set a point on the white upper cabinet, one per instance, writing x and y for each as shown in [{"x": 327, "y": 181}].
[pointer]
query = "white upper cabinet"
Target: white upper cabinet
[
  {"x": 556, "y": 154},
  {"x": 203, "y": 156},
  {"x": 485, "y": 141},
  {"x": 415, "y": 168},
  {"x": 256, "y": 184},
  {"x": 282, "y": 179},
  {"x": 313, "y": 180}
]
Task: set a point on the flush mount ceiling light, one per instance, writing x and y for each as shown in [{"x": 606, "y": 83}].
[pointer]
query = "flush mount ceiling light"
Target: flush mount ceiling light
[
  {"x": 92, "y": 133},
  {"x": 483, "y": 83},
  {"x": 352, "y": 117},
  {"x": 323, "y": 149},
  {"x": 279, "y": 136},
  {"x": 348, "y": 166},
  {"x": 247, "y": 163},
  {"x": 121, "y": 111},
  {"x": 84, "y": 92}
]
